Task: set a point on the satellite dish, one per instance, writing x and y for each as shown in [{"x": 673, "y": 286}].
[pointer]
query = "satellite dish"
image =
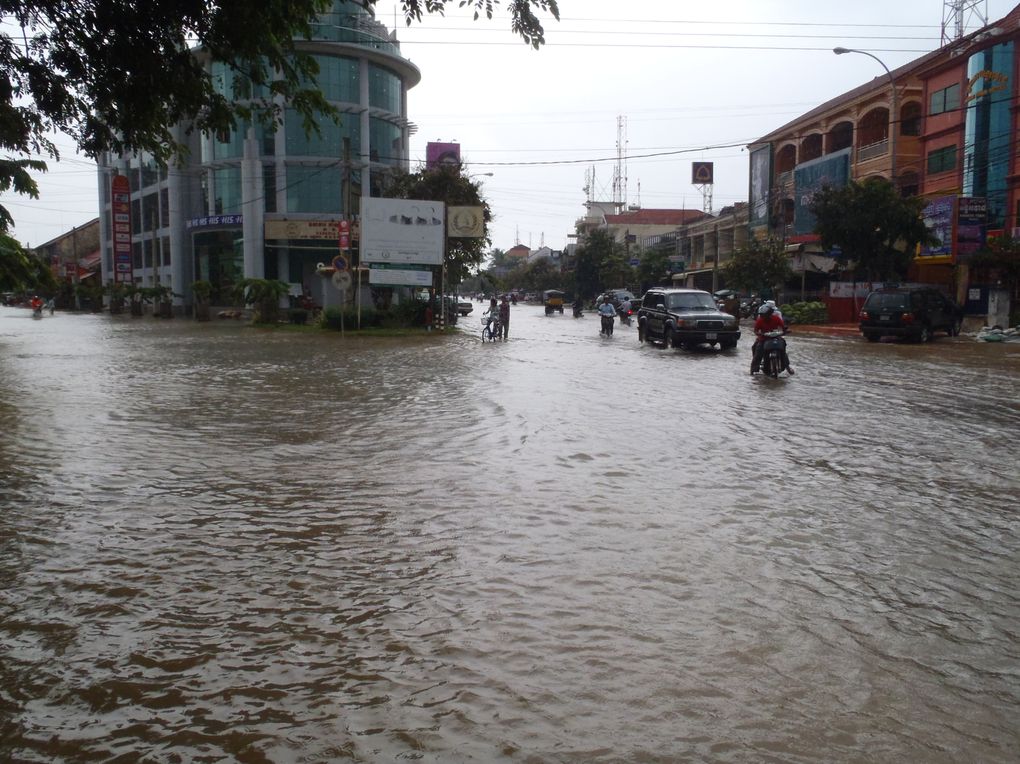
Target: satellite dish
[{"x": 342, "y": 280}]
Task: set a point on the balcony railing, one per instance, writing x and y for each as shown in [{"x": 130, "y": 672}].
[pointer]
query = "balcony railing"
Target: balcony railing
[{"x": 872, "y": 150}]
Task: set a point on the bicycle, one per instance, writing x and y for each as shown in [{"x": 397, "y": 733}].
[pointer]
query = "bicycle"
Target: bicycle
[{"x": 492, "y": 329}]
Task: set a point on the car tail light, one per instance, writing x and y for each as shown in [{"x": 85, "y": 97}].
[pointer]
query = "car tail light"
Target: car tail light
[
  {"x": 908, "y": 318},
  {"x": 864, "y": 315}
]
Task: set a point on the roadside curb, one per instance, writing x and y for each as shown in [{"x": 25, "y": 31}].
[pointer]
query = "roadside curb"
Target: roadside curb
[{"x": 828, "y": 330}]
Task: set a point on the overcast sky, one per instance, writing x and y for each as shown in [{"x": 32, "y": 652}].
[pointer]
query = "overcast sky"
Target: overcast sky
[{"x": 693, "y": 81}]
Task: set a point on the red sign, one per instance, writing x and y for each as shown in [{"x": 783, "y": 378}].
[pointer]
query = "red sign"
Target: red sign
[
  {"x": 345, "y": 234},
  {"x": 120, "y": 209}
]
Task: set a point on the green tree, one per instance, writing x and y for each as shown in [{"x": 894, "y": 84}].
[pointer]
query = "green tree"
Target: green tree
[
  {"x": 264, "y": 295},
  {"x": 762, "y": 266},
  {"x": 654, "y": 265},
  {"x": 539, "y": 275},
  {"x": 876, "y": 230},
  {"x": 448, "y": 184},
  {"x": 21, "y": 270},
  {"x": 118, "y": 76},
  {"x": 599, "y": 264}
]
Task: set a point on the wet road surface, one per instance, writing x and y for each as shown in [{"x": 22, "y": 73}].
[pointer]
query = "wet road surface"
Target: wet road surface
[{"x": 225, "y": 544}]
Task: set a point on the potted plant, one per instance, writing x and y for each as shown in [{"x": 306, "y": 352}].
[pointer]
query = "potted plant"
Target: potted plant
[
  {"x": 117, "y": 293},
  {"x": 135, "y": 297},
  {"x": 202, "y": 292},
  {"x": 264, "y": 295},
  {"x": 162, "y": 301}
]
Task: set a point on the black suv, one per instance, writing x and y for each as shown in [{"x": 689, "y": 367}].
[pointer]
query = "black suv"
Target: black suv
[
  {"x": 685, "y": 318},
  {"x": 913, "y": 312}
]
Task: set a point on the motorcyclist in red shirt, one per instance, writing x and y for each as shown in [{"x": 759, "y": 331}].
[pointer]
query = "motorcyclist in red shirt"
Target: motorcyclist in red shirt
[{"x": 766, "y": 322}]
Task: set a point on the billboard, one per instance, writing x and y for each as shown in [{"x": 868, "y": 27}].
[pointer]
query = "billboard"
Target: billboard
[
  {"x": 809, "y": 178},
  {"x": 120, "y": 210},
  {"x": 971, "y": 216},
  {"x": 407, "y": 231},
  {"x": 438, "y": 154},
  {"x": 758, "y": 194},
  {"x": 702, "y": 173},
  {"x": 938, "y": 218}
]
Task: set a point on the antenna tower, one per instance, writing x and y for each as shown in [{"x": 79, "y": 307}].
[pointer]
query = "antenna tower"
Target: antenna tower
[
  {"x": 956, "y": 14},
  {"x": 620, "y": 171}
]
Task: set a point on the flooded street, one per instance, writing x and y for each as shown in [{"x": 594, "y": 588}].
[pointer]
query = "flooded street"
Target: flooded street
[{"x": 219, "y": 543}]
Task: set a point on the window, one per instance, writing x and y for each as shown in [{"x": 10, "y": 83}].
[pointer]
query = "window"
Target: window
[
  {"x": 384, "y": 89},
  {"x": 945, "y": 100},
  {"x": 942, "y": 160},
  {"x": 227, "y": 191}
]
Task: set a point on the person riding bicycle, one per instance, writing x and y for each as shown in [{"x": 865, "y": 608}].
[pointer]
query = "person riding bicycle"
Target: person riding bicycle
[
  {"x": 492, "y": 313},
  {"x": 606, "y": 310},
  {"x": 766, "y": 322}
]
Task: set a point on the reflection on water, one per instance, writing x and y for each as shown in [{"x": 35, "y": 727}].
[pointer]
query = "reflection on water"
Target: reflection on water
[{"x": 220, "y": 543}]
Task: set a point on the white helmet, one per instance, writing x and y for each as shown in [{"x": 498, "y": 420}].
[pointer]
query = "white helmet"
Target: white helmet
[
  {"x": 771, "y": 303},
  {"x": 765, "y": 310}
]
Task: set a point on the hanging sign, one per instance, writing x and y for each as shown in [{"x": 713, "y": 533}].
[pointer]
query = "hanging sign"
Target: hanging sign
[{"x": 120, "y": 210}]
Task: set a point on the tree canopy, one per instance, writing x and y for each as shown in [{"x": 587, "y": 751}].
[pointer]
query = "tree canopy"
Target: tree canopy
[
  {"x": 447, "y": 184},
  {"x": 119, "y": 75},
  {"x": 762, "y": 266},
  {"x": 876, "y": 230},
  {"x": 600, "y": 264}
]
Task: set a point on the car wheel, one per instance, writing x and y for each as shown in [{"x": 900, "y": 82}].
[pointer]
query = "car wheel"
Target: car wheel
[
  {"x": 955, "y": 327},
  {"x": 728, "y": 344},
  {"x": 640, "y": 333},
  {"x": 924, "y": 335},
  {"x": 668, "y": 339},
  {"x": 872, "y": 337}
]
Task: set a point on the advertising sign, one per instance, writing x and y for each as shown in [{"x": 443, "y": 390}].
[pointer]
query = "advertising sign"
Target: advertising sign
[
  {"x": 120, "y": 212},
  {"x": 971, "y": 216},
  {"x": 938, "y": 219},
  {"x": 379, "y": 275},
  {"x": 402, "y": 231},
  {"x": 301, "y": 229},
  {"x": 438, "y": 154},
  {"x": 702, "y": 173},
  {"x": 758, "y": 195},
  {"x": 809, "y": 178}
]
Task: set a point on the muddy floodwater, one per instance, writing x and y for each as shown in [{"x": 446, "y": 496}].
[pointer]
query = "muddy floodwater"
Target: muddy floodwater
[{"x": 224, "y": 544}]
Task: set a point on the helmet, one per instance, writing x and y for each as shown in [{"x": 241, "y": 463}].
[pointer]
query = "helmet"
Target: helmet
[
  {"x": 771, "y": 303},
  {"x": 765, "y": 310}
]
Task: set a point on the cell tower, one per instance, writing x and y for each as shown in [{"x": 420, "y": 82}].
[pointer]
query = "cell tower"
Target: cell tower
[
  {"x": 957, "y": 13},
  {"x": 620, "y": 171}
]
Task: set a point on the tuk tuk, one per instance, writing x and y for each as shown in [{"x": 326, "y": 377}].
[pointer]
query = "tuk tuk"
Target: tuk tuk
[{"x": 553, "y": 301}]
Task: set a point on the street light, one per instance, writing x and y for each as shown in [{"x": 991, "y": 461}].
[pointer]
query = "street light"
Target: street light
[{"x": 892, "y": 114}]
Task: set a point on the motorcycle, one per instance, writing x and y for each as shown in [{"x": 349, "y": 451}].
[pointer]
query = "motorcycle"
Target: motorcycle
[
  {"x": 607, "y": 326},
  {"x": 773, "y": 352},
  {"x": 625, "y": 316},
  {"x": 578, "y": 313}
]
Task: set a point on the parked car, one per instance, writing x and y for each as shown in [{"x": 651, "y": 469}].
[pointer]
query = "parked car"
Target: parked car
[
  {"x": 913, "y": 312},
  {"x": 464, "y": 306},
  {"x": 685, "y": 318}
]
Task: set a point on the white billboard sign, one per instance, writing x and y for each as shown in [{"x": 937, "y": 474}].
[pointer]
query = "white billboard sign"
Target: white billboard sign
[
  {"x": 399, "y": 277},
  {"x": 406, "y": 231}
]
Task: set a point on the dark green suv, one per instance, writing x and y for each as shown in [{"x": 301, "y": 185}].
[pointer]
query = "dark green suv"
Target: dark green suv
[{"x": 912, "y": 312}]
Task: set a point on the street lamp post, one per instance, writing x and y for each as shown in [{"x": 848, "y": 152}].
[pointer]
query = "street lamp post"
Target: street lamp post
[{"x": 892, "y": 115}]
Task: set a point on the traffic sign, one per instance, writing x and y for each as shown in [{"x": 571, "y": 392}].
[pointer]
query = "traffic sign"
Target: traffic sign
[{"x": 342, "y": 280}]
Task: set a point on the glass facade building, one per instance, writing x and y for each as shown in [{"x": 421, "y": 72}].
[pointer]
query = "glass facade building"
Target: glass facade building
[
  {"x": 217, "y": 216},
  {"x": 988, "y": 133}
]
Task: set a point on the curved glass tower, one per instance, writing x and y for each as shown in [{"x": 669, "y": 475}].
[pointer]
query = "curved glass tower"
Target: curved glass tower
[{"x": 264, "y": 202}]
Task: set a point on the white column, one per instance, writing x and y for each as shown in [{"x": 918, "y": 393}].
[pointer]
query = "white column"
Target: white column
[{"x": 252, "y": 208}]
